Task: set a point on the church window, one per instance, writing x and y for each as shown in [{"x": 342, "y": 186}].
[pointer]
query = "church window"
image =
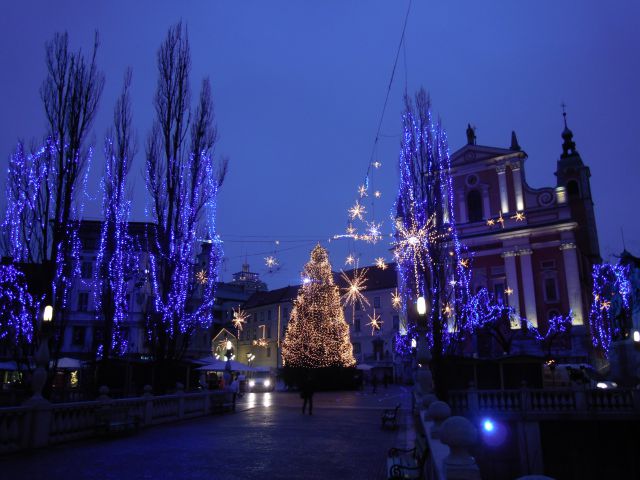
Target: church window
[
  {"x": 572, "y": 188},
  {"x": 474, "y": 206}
]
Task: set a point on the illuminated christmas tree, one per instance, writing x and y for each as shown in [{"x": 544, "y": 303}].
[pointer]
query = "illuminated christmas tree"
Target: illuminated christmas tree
[{"x": 317, "y": 335}]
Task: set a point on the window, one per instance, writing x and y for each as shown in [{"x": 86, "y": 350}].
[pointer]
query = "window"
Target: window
[
  {"x": 357, "y": 325},
  {"x": 550, "y": 289},
  {"x": 474, "y": 206},
  {"x": 396, "y": 322},
  {"x": 86, "y": 270},
  {"x": 376, "y": 302},
  {"x": 548, "y": 264},
  {"x": 572, "y": 188},
  {"x": 83, "y": 301},
  {"x": 356, "y": 348},
  {"x": 498, "y": 292},
  {"x": 98, "y": 336},
  {"x": 78, "y": 336},
  {"x": 262, "y": 316}
]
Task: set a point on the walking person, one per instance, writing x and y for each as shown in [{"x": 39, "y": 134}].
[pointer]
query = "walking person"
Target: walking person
[
  {"x": 235, "y": 389},
  {"x": 306, "y": 392}
]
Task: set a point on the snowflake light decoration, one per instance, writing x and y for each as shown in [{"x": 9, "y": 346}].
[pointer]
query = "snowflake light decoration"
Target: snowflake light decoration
[
  {"x": 355, "y": 285},
  {"x": 362, "y": 191},
  {"x": 357, "y": 211},
  {"x": 201, "y": 277},
  {"x": 380, "y": 263},
  {"x": 271, "y": 261},
  {"x": 396, "y": 300},
  {"x": 375, "y": 322},
  {"x": 518, "y": 217},
  {"x": 350, "y": 260},
  {"x": 239, "y": 318}
]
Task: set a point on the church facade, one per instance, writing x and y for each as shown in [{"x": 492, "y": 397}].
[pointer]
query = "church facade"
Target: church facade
[{"x": 532, "y": 248}]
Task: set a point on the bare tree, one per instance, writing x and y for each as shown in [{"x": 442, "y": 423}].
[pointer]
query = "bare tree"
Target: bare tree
[
  {"x": 41, "y": 224},
  {"x": 183, "y": 182},
  {"x": 116, "y": 262}
]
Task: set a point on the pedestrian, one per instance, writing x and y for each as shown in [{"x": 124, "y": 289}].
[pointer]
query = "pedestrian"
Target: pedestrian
[
  {"x": 235, "y": 389},
  {"x": 306, "y": 392},
  {"x": 374, "y": 383}
]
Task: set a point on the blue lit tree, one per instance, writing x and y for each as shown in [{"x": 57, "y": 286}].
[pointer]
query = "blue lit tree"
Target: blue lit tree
[
  {"x": 42, "y": 216},
  {"x": 116, "y": 261},
  {"x": 183, "y": 181},
  {"x": 431, "y": 260},
  {"x": 610, "y": 308},
  {"x": 558, "y": 329},
  {"x": 18, "y": 314}
]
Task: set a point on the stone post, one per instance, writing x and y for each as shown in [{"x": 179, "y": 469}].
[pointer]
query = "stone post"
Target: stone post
[
  {"x": 438, "y": 412},
  {"x": 40, "y": 416},
  {"x": 180, "y": 394},
  {"x": 148, "y": 405},
  {"x": 459, "y": 435}
]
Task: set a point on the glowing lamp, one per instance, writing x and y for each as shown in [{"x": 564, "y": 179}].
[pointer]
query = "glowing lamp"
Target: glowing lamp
[
  {"x": 422, "y": 306},
  {"x": 414, "y": 343},
  {"x": 267, "y": 383},
  {"x": 488, "y": 426},
  {"x": 47, "y": 316},
  {"x": 636, "y": 336},
  {"x": 229, "y": 345},
  {"x": 602, "y": 385},
  {"x": 252, "y": 383}
]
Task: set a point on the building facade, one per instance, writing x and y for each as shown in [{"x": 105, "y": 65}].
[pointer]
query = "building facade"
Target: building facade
[{"x": 532, "y": 248}]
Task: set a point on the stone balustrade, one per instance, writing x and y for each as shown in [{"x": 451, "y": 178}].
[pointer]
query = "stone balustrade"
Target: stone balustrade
[
  {"x": 40, "y": 423},
  {"x": 547, "y": 402}
]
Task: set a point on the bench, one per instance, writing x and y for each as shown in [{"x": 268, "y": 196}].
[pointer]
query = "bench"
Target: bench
[
  {"x": 408, "y": 463},
  {"x": 112, "y": 420},
  {"x": 390, "y": 417}
]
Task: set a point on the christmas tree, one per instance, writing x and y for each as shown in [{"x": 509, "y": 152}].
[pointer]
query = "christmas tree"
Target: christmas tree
[{"x": 317, "y": 335}]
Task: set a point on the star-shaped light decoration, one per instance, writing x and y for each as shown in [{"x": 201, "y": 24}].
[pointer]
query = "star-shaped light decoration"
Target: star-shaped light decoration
[
  {"x": 373, "y": 232},
  {"x": 201, "y": 277},
  {"x": 491, "y": 222},
  {"x": 518, "y": 217},
  {"x": 377, "y": 164},
  {"x": 380, "y": 263},
  {"x": 464, "y": 262},
  {"x": 239, "y": 318},
  {"x": 447, "y": 310},
  {"x": 362, "y": 191},
  {"x": 508, "y": 291},
  {"x": 377, "y": 194},
  {"x": 353, "y": 292},
  {"x": 452, "y": 282},
  {"x": 357, "y": 211},
  {"x": 396, "y": 300},
  {"x": 606, "y": 304},
  {"x": 500, "y": 220},
  {"x": 271, "y": 262},
  {"x": 350, "y": 260},
  {"x": 375, "y": 322},
  {"x": 351, "y": 229}
]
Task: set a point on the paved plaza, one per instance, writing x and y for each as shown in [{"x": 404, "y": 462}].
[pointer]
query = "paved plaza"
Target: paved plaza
[{"x": 267, "y": 438}]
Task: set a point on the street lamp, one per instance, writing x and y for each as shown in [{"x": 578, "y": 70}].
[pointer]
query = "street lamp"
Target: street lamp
[
  {"x": 422, "y": 306},
  {"x": 47, "y": 316}
]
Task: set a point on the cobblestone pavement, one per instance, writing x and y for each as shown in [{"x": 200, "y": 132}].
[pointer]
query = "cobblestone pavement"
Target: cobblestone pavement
[{"x": 267, "y": 438}]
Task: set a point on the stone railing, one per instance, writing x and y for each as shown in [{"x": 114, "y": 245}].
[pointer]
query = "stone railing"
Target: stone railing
[
  {"x": 547, "y": 402},
  {"x": 39, "y": 423}
]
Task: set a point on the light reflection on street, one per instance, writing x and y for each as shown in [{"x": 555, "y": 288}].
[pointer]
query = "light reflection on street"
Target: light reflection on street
[{"x": 259, "y": 399}]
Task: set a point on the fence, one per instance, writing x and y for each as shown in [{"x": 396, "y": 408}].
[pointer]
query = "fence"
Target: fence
[{"x": 40, "y": 423}]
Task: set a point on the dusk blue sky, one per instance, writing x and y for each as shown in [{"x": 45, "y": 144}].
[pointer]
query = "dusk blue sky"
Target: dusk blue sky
[{"x": 299, "y": 86}]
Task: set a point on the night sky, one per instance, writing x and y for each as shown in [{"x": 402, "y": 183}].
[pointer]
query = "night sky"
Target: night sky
[{"x": 299, "y": 87}]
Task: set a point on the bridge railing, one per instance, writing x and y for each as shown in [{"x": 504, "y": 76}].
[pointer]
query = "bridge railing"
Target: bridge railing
[{"x": 39, "y": 423}]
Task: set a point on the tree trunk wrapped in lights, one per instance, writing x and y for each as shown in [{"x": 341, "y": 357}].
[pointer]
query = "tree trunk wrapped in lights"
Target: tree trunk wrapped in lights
[{"x": 317, "y": 335}]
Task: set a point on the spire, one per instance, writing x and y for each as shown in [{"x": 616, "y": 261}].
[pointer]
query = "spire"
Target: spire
[
  {"x": 514, "y": 142},
  {"x": 568, "y": 146}
]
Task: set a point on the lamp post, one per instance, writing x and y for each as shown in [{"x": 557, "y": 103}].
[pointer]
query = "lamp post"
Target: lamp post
[
  {"x": 423, "y": 376},
  {"x": 39, "y": 376}
]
